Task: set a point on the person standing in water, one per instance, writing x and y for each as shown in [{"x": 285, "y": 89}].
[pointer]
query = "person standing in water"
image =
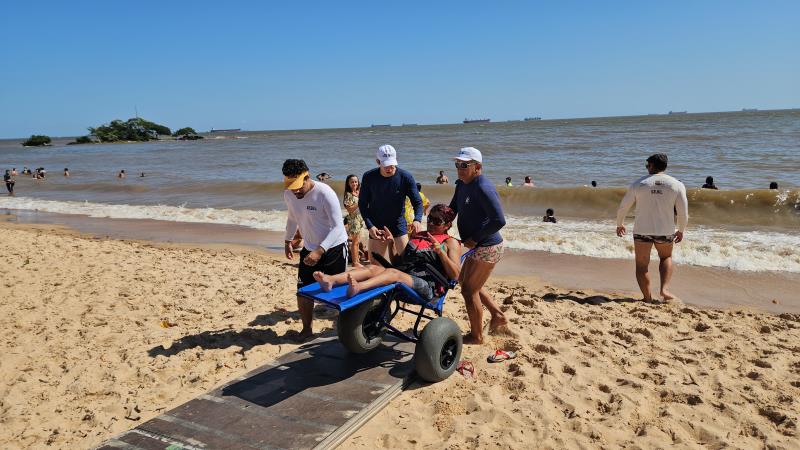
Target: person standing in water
[
  {"x": 9, "y": 180},
  {"x": 657, "y": 197}
]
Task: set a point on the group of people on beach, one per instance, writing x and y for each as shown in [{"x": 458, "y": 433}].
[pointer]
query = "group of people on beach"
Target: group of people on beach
[
  {"x": 387, "y": 203},
  {"x": 377, "y": 203}
]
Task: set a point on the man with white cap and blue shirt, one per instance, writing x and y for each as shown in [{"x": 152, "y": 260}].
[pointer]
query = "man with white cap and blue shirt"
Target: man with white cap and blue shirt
[{"x": 382, "y": 203}]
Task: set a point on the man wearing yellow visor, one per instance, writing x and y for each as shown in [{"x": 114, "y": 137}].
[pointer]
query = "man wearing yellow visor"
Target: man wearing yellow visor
[{"x": 313, "y": 209}]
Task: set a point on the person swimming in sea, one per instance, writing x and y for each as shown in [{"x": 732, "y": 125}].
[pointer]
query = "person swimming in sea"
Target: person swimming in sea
[
  {"x": 549, "y": 216},
  {"x": 710, "y": 184}
]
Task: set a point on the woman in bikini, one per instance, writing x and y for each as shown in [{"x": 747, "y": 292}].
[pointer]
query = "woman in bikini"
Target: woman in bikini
[{"x": 433, "y": 247}]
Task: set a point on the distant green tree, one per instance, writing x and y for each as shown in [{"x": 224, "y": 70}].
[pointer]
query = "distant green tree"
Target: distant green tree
[
  {"x": 37, "y": 140},
  {"x": 83, "y": 140},
  {"x": 184, "y": 131}
]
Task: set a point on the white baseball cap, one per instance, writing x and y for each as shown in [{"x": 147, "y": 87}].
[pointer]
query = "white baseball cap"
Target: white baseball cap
[
  {"x": 387, "y": 155},
  {"x": 469, "y": 154}
]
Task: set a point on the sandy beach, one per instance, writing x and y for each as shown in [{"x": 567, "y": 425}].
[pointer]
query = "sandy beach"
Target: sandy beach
[{"x": 101, "y": 334}]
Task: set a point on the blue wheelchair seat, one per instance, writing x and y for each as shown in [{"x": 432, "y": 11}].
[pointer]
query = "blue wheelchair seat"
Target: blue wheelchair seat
[{"x": 337, "y": 298}]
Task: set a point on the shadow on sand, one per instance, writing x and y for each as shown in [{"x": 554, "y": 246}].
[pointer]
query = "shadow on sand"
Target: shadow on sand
[
  {"x": 320, "y": 364},
  {"x": 588, "y": 300}
]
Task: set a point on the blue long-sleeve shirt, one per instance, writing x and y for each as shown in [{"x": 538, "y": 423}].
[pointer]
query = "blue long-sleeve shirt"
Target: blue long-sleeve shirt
[
  {"x": 480, "y": 215},
  {"x": 382, "y": 200}
]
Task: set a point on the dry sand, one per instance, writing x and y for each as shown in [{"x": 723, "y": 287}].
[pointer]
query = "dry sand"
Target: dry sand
[{"x": 85, "y": 355}]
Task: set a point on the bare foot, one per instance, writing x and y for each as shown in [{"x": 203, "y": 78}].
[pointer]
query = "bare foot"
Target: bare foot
[
  {"x": 353, "y": 288},
  {"x": 496, "y": 322},
  {"x": 667, "y": 295},
  {"x": 469, "y": 339},
  {"x": 305, "y": 334},
  {"x": 324, "y": 281}
]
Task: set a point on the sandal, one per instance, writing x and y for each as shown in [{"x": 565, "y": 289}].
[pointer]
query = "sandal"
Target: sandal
[
  {"x": 466, "y": 369},
  {"x": 501, "y": 355}
]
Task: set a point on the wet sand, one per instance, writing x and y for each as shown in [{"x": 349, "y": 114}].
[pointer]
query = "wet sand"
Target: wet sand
[{"x": 709, "y": 287}]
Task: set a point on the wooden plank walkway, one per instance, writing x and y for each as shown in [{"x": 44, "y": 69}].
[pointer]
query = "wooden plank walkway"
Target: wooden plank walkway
[{"x": 313, "y": 397}]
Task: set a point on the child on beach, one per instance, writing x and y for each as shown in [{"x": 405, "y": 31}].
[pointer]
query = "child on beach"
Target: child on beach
[{"x": 434, "y": 247}]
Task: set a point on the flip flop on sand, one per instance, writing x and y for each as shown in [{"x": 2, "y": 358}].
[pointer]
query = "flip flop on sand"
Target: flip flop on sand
[
  {"x": 501, "y": 355},
  {"x": 467, "y": 369}
]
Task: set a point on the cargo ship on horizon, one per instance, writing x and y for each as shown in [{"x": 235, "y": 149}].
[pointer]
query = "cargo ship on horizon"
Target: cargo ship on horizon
[
  {"x": 477, "y": 120},
  {"x": 225, "y": 130}
]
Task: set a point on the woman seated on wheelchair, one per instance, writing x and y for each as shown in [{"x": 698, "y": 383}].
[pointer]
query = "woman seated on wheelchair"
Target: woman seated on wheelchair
[{"x": 434, "y": 247}]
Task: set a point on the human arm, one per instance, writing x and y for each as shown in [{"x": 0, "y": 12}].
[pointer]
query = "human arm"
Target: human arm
[
  {"x": 416, "y": 202},
  {"x": 394, "y": 257},
  {"x": 364, "y": 199},
  {"x": 351, "y": 203},
  {"x": 489, "y": 201},
  {"x": 682, "y": 206},
  {"x": 624, "y": 206},
  {"x": 450, "y": 257},
  {"x": 291, "y": 229}
]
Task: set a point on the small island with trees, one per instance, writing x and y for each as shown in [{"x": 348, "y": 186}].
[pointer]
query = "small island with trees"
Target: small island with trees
[
  {"x": 37, "y": 140},
  {"x": 133, "y": 130}
]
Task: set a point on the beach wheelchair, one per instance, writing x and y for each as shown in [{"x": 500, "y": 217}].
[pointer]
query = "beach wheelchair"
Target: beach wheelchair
[{"x": 365, "y": 319}]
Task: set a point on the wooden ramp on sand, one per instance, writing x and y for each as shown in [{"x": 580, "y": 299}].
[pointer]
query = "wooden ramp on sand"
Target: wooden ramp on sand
[{"x": 313, "y": 397}]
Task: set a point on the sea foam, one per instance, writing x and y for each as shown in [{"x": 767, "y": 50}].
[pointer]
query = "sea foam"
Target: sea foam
[{"x": 703, "y": 246}]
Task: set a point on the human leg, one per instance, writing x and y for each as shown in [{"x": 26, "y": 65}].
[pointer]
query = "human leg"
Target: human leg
[
  {"x": 400, "y": 243},
  {"x": 379, "y": 247},
  {"x": 354, "y": 244},
  {"x": 474, "y": 274},
  {"x": 327, "y": 282},
  {"x": 306, "y": 309},
  {"x": 382, "y": 278},
  {"x": 641, "y": 251},
  {"x": 665, "y": 268},
  {"x": 498, "y": 319}
]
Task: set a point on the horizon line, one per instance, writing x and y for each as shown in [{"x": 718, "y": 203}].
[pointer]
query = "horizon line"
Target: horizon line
[{"x": 402, "y": 125}]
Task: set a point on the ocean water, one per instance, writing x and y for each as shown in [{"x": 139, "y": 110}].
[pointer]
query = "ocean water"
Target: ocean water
[{"x": 234, "y": 178}]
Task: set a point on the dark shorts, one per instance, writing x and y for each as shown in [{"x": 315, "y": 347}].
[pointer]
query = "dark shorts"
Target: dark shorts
[
  {"x": 421, "y": 287},
  {"x": 654, "y": 239},
  {"x": 332, "y": 262}
]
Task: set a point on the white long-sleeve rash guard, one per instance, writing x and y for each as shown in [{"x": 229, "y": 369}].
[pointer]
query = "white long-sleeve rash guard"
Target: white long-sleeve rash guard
[
  {"x": 657, "y": 197},
  {"x": 318, "y": 216}
]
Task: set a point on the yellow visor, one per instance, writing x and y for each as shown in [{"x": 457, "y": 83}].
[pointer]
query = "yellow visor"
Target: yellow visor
[{"x": 293, "y": 183}]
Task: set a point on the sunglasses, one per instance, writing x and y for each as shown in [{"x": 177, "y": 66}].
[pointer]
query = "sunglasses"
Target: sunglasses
[
  {"x": 435, "y": 221},
  {"x": 463, "y": 165}
]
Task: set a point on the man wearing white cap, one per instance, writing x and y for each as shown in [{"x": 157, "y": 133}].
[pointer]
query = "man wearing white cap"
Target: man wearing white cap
[
  {"x": 382, "y": 202},
  {"x": 313, "y": 209}
]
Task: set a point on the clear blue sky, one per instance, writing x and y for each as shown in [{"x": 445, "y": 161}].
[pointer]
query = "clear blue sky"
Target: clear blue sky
[{"x": 264, "y": 65}]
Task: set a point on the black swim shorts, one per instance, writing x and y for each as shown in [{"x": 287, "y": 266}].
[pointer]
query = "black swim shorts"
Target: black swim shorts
[
  {"x": 422, "y": 287},
  {"x": 332, "y": 262},
  {"x": 654, "y": 239}
]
